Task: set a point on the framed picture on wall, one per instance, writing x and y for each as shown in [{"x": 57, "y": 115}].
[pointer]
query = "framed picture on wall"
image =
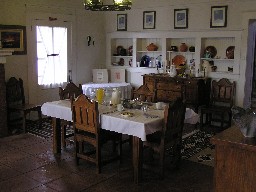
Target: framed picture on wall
[
  {"x": 13, "y": 37},
  {"x": 121, "y": 22},
  {"x": 218, "y": 16},
  {"x": 149, "y": 20},
  {"x": 180, "y": 18}
]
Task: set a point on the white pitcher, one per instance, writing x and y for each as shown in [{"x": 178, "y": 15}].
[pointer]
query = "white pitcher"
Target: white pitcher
[
  {"x": 116, "y": 97},
  {"x": 173, "y": 71}
]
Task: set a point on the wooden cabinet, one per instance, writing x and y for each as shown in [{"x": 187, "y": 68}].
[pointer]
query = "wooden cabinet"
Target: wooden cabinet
[
  {"x": 235, "y": 157},
  {"x": 196, "y": 91}
]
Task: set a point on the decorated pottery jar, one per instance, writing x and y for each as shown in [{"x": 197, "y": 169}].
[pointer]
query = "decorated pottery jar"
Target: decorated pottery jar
[{"x": 183, "y": 47}]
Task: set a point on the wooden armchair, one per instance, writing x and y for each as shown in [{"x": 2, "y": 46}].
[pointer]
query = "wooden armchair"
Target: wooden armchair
[
  {"x": 17, "y": 108},
  {"x": 88, "y": 133},
  {"x": 169, "y": 138},
  {"x": 221, "y": 102},
  {"x": 69, "y": 92}
]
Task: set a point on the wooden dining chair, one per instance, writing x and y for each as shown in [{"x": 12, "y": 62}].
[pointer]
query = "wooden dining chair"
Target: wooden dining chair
[
  {"x": 221, "y": 101},
  {"x": 143, "y": 93},
  {"x": 169, "y": 139},
  {"x": 17, "y": 108},
  {"x": 70, "y": 91},
  {"x": 89, "y": 137}
]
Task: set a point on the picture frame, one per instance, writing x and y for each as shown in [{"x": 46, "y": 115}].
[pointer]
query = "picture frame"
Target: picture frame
[
  {"x": 180, "y": 18},
  {"x": 149, "y": 19},
  {"x": 13, "y": 37},
  {"x": 218, "y": 16},
  {"x": 121, "y": 22}
]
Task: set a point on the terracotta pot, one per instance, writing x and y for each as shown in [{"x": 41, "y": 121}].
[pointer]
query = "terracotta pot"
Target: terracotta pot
[
  {"x": 183, "y": 47},
  {"x": 152, "y": 47}
]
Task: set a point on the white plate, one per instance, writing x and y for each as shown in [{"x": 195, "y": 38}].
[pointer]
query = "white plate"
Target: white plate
[{"x": 126, "y": 114}]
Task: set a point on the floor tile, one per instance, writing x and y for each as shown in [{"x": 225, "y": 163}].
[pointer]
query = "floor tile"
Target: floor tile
[
  {"x": 18, "y": 184},
  {"x": 47, "y": 173}
]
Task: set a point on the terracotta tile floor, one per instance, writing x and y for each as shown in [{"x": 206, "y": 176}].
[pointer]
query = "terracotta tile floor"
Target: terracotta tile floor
[{"x": 28, "y": 164}]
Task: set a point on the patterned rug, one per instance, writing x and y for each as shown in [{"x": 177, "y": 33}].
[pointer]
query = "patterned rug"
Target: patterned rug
[
  {"x": 45, "y": 131},
  {"x": 194, "y": 141}
]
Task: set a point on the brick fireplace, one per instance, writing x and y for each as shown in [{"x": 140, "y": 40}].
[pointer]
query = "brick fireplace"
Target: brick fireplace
[{"x": 3, "y": 105}]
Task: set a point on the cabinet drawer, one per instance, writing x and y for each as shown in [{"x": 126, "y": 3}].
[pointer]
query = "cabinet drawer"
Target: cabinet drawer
[
  {"x": 163, "y": 95},
  {"x": 168, "y": 86}
]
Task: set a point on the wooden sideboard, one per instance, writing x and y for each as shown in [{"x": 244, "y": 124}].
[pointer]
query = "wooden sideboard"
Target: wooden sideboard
[
  {"x": 235, "y": 157},
  {"x": 196, "y": 91}
]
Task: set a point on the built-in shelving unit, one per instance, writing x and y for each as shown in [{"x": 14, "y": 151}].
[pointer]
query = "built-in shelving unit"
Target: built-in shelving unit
[{"x": 221, "y": 40}]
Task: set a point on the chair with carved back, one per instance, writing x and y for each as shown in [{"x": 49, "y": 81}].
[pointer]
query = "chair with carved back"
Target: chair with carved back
[
  {"x": 69, "y": 92},
  {"x": 221, "y": 102},
  {"x": 17, "y": 108},
  {"x": 143, "y": 93},
  {"x": 89, "y": 137},
  {"x": 168, "y": 140}
]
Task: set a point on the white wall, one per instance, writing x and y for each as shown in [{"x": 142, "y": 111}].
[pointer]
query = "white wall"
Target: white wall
[
  {"x": 198, "y": 20},
  {"x": 98, "y": 24},
  {"x": 17, "y": 12}
]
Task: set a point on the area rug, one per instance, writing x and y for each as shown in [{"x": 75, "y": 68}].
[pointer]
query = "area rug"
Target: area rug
[
  {"x": 197, "y": 147},
  {"x": 196, "y": 144},
  {"x": 45, "y": 131}
]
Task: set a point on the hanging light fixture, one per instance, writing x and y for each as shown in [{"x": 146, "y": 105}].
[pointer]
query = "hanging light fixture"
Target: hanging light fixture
[{"x": 97, "y": 5}]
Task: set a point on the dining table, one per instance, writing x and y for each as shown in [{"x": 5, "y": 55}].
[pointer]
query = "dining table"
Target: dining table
[{"x": 137, "y": 124}]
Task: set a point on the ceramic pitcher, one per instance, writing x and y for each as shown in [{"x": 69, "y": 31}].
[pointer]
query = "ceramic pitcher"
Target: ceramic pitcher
[
  {"x": 173, "y": 71},
  {"x": 116, "y": 97}
]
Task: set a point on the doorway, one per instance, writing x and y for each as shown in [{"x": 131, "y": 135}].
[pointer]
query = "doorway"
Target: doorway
[{"x": 44, "y": 50}]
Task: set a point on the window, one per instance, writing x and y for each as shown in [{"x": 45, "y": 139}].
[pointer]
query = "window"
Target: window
[{"x": 52, "y": 62}]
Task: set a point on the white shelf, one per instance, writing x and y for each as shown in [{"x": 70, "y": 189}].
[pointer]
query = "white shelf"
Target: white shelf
[
  {"x": 211, "y": 59},
  {"x": 164, "y": 40},
  {"x": 178, "y": 52},
  {"x": 119, "y": 56},
  {"x": 149, "y": 51}
]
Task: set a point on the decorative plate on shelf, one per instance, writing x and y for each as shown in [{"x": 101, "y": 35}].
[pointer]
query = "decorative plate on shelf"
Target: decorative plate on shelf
[
  {"x": 210, "y": 52},
  {"x": 144, "y": 62},
  {"x": 179, "y": 60},
  {"x": 230, "y": 52}
]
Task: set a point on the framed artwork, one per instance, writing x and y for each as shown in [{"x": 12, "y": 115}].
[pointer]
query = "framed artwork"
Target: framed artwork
[
  {"x": 14, "y": 37},
  {"x": 180, "y": 18},
  {"x": 149, "y": 19},
  {"x": 121, "y": 22},
  {"x": 218, "y": 16}
]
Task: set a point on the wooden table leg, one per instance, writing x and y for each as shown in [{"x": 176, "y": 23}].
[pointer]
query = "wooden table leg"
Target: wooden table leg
[
  {"x": 137, "y": 159},
  {"x": 56, "y": 135}
]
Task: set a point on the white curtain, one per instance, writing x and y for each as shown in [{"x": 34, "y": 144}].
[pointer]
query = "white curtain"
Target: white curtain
[
  {"x": 249, "y": 63},
  {"x": 51, "y": 56}
]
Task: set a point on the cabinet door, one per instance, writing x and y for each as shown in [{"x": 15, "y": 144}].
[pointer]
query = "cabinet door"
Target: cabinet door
[{"x": 191, "y": 92}]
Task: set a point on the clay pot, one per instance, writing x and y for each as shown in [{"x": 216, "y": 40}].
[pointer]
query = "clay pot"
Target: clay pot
[
  {"x": 183, "y": 47},
  {"x": 152, "y": 47}
]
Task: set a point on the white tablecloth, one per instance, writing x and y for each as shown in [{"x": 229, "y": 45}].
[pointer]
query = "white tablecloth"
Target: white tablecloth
[
  {"x": 125, "y": 88},
  {"x": 139, "y": 125},
  {"x": 110, "y": 119}
]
